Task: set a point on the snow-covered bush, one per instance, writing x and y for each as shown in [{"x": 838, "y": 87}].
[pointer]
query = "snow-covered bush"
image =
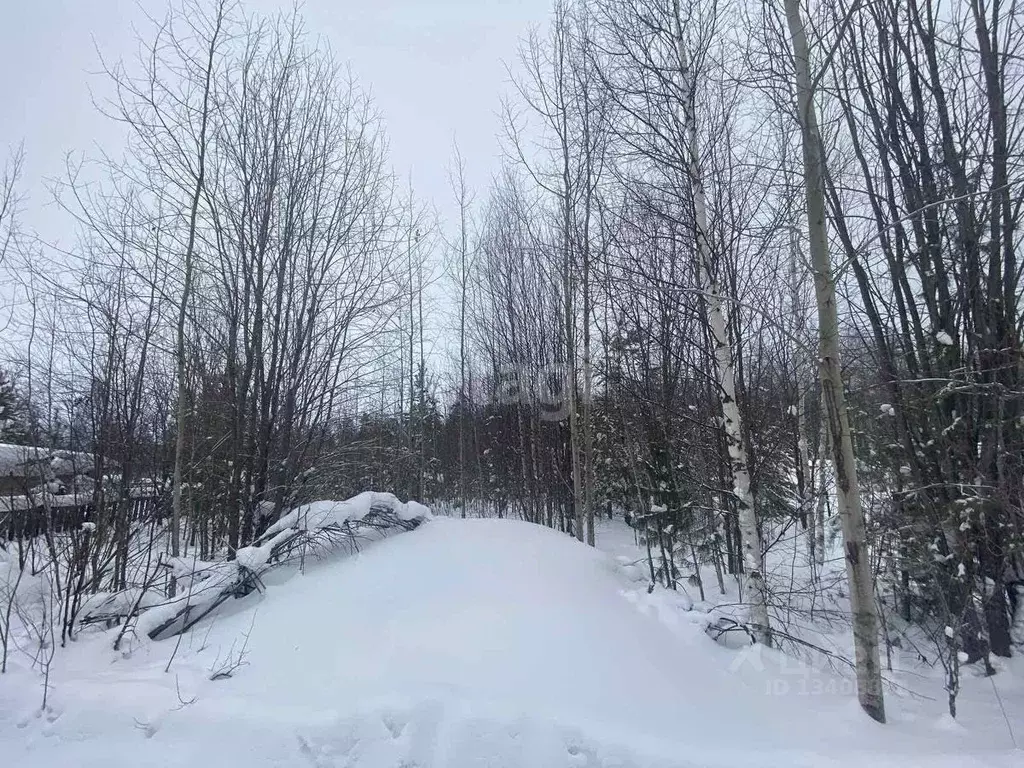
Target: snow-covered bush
[{"x": 201, "y": 586}]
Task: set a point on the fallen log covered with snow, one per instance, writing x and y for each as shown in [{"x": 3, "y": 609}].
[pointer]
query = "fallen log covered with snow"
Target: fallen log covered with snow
[
  {"x": 201, "y": 586},
  {"x": 326, "y": 525}
]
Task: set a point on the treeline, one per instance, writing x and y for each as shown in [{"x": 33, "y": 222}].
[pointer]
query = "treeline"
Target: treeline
[
  {"x": 773, "y": 248},
  {"x": 236, "y": 269}
]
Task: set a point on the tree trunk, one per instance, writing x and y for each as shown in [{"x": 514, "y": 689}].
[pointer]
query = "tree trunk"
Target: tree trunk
[
  {"x": 851, "y": 516},
  {"x": 186, "y": 291},
  {"x": 754, "y": 593}
]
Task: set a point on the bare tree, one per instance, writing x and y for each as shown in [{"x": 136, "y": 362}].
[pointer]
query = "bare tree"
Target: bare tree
[
  {"x": 851, "y": 515},
  {"x": 461, "y": 273},
  {"x": 561, "y": 89},
  {"x": 10, "y": 200},
  {"x": 206, "y": 76}
]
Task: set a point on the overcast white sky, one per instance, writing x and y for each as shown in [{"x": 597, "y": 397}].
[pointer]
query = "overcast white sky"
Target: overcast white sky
[{"x": 436, "y": 68}]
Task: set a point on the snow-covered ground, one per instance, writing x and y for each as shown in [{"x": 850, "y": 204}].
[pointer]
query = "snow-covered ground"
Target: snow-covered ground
[
  {"x": 813, "y": 673},
  {"x": 468, "y": 643}
]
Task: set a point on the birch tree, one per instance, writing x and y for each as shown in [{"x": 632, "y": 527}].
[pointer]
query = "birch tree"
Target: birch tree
[
  {"x": 732, "y": 420},
  {"x": 660, "y": 54}
]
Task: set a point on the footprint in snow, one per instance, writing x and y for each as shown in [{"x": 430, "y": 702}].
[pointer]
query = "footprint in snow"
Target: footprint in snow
[{"x": 395, "y": 725}]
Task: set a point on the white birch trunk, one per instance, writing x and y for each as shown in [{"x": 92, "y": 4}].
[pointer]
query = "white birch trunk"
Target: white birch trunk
[{"x": 754, "y": 593}]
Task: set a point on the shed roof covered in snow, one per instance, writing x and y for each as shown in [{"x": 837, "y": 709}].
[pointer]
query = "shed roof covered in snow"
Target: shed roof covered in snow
[{"x": 30, "y": 461}]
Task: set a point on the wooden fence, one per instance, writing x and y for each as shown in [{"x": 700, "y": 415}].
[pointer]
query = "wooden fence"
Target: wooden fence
[{"x": 23, "y": 524}]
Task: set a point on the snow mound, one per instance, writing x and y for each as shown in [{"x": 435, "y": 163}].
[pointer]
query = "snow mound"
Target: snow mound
[
  {"x": 322, "y": 514},
  {"x": 203, "y": 586},
  {"x": 462, "y": 643}
]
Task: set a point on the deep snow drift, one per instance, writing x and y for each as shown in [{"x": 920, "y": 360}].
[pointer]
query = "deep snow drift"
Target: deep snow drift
[{"x": 463, "y": 643}]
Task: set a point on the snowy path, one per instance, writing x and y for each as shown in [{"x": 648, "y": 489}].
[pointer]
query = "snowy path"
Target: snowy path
[{"x": 464, "y": 643}]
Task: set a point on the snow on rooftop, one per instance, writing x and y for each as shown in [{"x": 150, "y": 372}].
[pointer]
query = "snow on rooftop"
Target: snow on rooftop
[{"x": 27, "y": 460}]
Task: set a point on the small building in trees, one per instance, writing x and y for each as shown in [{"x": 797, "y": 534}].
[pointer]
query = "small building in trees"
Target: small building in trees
[{"x": 29, "y": 468}]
